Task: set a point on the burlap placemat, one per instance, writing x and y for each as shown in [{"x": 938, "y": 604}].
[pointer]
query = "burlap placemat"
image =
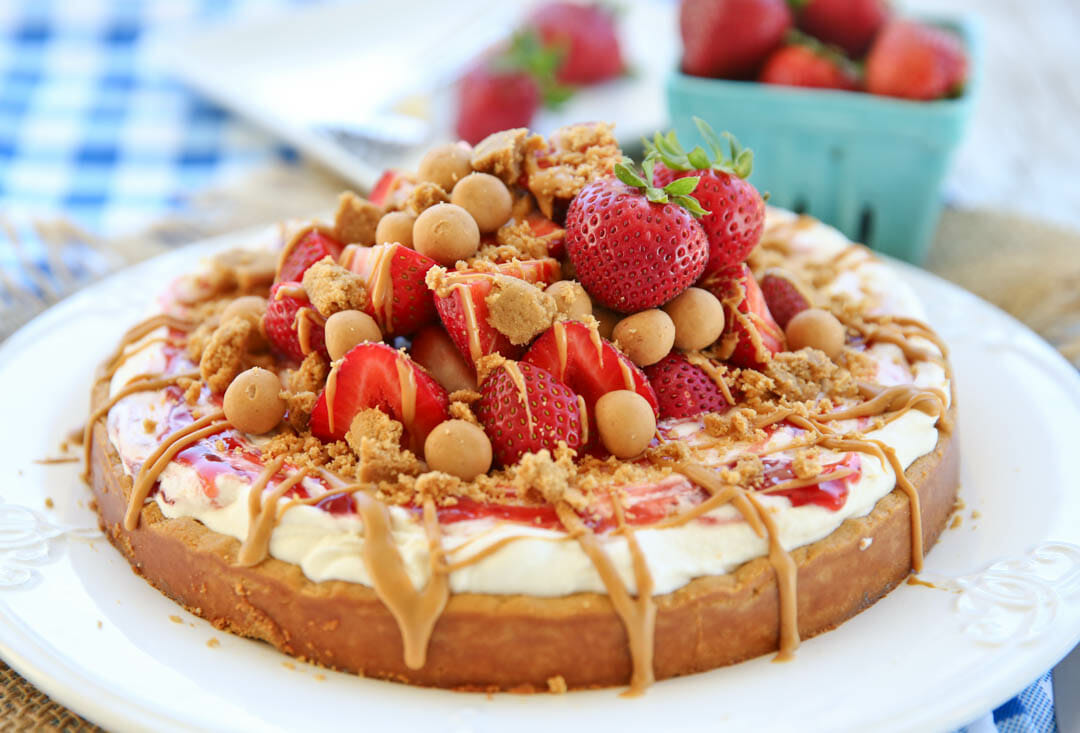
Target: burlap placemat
[{"x": 1028, "y": 268}]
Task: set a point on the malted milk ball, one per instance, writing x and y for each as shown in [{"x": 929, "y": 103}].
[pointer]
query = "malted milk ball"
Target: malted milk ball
[
  {"x": 446, "y": 233},
  {"x": 607, "y": 320},
  {"x": 698, "y": 316},
  {"x": 486, "y": 198},
  {"x": 395, "y": 226},
  {"x": 646, "y": 337},
  {"x": 253, "y": 401},
  {"x": 570, "y": 299},
  {"x": 446, "y": 164},
  {"x": 626, "y": 422},
  {"x": 346, "y": 329},
  {"x": 459, "y": 448},
  {"x": 818, "y": 329}
]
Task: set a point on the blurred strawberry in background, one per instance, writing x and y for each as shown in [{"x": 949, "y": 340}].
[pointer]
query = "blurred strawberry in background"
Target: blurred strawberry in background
[
  {"x": 849, "y": 24},
  {"x": 560, "y": 46},
  {"x": 730, "y": 38},
  {"x": 587, "y": 37},
  {"x": 807, "y": 63},
  {"x": 915, "y": 61}
]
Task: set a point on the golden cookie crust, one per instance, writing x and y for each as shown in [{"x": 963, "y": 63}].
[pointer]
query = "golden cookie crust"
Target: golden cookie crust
[{"x": 519, "y": 642}]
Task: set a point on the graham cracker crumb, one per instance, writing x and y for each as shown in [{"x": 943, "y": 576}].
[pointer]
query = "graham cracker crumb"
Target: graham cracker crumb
[
  {"x": 149, "y": 426},
  {"x": 487, "y": 364},
  {"x": 460, "y": 410},
  {"x": 575, "y": 156},
  {"x": 807, "y": 463},
  {"x": 518, "y": 236},
  {"x": 424, "y": 196},
  {"x": 550, "y": 478},
  {"x": 304, "y": 450},
  {"x": 242, "y": 270},
  {"x": 198, "y": 339},
  {"x": 519, "y": 310},
  {"x": 747, "y": 470},
  {"x": 502, "y": 154},
  {"x": 332, "y": 288},
  {"x": 808, "y": 374},
  {"x": 376, "y": 438},
  {"x": 356, "y": 219},
  {"x": 557, "y": 685},
  {"x": 192, "y": 389},
  {"x": 226, "y": 354},
  {"x": 298, "y": 408},
  {"x": 734, "y": 425},
  {"x": 213, "y": 643},
  {"x": 49, "y": 503},
  {"x": 311, "y": 376}
]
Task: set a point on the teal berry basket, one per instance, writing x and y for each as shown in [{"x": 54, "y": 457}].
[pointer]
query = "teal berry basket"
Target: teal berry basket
[{"x": 871, "y": 166}]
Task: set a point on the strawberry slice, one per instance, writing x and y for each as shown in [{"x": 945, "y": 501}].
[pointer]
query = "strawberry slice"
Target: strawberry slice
[
  {"x": 587, "y": 363},
  {"x": 391, "y": 189},
  {"x": 541, "y": 227},
  {"x": 461, "y": 302},
  {"x": 292, "y": 325},
  {"x": 784, "y": 296},
  {"x": 751, "y": 335},
  {"x": 433, "y": 349},
  {"x": 524, "y": 409},
  {"x": 398, "y": 297},
  {"x": 307, "y": 247},
  {"x": 378, "y": 376},
  {"x": 684, "y": 389}
]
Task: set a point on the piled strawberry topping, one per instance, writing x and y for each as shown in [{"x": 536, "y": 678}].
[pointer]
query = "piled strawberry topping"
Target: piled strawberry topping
[{"x": 530, "y": 308}]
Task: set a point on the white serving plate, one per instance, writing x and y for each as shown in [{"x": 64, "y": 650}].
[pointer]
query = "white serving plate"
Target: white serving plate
[{"x": 78, "y": 624}]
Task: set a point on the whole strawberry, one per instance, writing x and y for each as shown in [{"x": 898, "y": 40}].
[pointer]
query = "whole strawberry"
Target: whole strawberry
[
  {"x": 849, "y": 24},
  {"x": 809, "y": 64},
  {"x": 586, "y": 38},
  {"x": 915, "y": 61},
  {"x": 730, "y": 38},
  {"x": 736, "y": 215},
  {"x": 524, "y": 410},
  {"x": 684, "y": 389},
  {"x": 635, "y": 246}
]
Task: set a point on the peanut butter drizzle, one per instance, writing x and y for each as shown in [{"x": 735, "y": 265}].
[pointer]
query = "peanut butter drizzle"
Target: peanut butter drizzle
[
  {"x": 290, "y": 291},
  {"x": 598, "y": 342},
  {"x": 764, "y": 421},
  {"x": 416, "y": 612},
  {"x": 787, "y": 574},
  {"x": 560, "y": 345},
  {"x": 886, "y": 454},
  {"x": 627, "y": 375},
  {"x": 263, "y": 515},
  {"x": 382, "y": 290},
  {"x": 156, "y": 461},
  {"x": 638, "y": 616},
  {"x": 135, "y": 385},
  {"x": 331, "y": 393},
  {"x": 472, "y": 327},
  {"x": 407, "y": 387},
  {"x": 898, "y": 398},
  {"x": 698, "y": 360},
  {"x": 911, "y": 327},
  {"x": 518, "y": 378},
  {"x": 138, "y": 331},
  {"x": 306, "y": 319},
  {"x": 583, "y": 409},
  {"x": 709, "y": 481},
  {"x": 798, "y": 483}
]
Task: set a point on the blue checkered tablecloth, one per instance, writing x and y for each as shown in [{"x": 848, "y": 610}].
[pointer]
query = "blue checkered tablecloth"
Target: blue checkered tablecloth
[{"x": 90, "y": 130}]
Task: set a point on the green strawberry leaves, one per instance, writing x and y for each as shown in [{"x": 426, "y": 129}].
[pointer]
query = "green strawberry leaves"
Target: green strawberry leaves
[
  {"x": 677, "y": 192},
  {"x": 735, "y": 159},
  {"x": 528, "y": 53}
]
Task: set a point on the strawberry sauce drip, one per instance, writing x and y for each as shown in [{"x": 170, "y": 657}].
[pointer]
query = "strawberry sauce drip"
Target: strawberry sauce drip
[{"x": 831, "y": 495}]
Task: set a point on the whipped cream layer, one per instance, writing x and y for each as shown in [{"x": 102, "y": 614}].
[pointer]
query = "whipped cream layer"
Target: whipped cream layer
[{"x": 545, "y": 562}]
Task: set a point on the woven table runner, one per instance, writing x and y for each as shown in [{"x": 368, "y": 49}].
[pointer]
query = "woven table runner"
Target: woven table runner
[{"x": 1027, "y": 268}]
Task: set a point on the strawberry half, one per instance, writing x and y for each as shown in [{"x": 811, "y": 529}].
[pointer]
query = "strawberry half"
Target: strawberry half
[
  {"x": 433, "y": 349},
  {"x": 292, "y": 325},
  {"x": 635, "y": 246},
  {"x": 398, "y": 297},
  {"x": 736, "y": 217},
  {"x": 684, "y": 389},
  {"x": 378, "y": 376},
  {"x": 461, "y": 302},
  {"x": 577, "y": 356},
  {"x": 391, "y": 189},
  {"x": 751, "y": 335},
  {"x": 307, "y": 247},
  {"x": 783, "y": 295},
  {"x": 524, "y": 410}
]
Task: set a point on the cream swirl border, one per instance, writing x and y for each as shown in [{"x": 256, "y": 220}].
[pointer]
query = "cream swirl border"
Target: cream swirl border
[
  {"x": 26, "y": 542},
  {"x": 1018, "y": 599}
]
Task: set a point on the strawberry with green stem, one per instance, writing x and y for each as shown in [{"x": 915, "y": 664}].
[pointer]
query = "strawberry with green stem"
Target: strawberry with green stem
[
  {"x": 635, "y": 245},
  {"x": 736, "y": 216}
]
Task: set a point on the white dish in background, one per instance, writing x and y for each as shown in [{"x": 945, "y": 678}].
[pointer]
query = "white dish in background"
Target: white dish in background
[
  {"x": 98, "y": 639},
  {"x": 356, "y": 66}
]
